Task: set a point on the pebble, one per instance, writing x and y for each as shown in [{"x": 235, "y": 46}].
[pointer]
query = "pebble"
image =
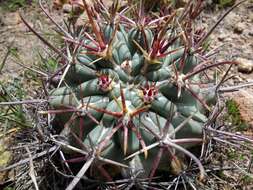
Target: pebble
[
  {"x": 1, "y": 21},
  {"x": 245, "y": 65},
  {"x": 238, "y": 29},
  {"x": 75, "y": 9},
  {"x": 67, "y": 8},
  {"x": 222, "y": 37}
]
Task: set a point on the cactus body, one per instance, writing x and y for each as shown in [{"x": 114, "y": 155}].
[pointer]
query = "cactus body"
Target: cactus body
[{"x": 136, "y": 93}]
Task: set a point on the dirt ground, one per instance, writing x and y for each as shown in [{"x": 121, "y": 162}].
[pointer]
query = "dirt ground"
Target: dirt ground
[
  {"x": 15, "y": 35},
  {"x": 235, "y": 34}
]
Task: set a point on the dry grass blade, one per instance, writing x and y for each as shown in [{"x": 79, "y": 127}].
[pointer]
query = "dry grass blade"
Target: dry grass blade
[
  {"x": 31, "y": 171},
  {"x": 225, "y": 142},
  {"x": 38, "y": 101},
  {"x": 5, "y": 59},
  {"x": 243, "y": 171},
  {"x": 70, "y": 147},
  {"x": 234, "y": 88},
  {"x": 236, "y": 136},
  {"x": 18, "y": 61},
  {"x": 24, "y": 161}
]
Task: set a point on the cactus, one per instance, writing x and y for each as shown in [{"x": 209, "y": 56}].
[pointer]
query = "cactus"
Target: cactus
[{"x": 131, "y": 92}]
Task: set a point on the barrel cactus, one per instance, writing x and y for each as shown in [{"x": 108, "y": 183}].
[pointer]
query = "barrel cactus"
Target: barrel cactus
[{"x": 131, "y": 95}]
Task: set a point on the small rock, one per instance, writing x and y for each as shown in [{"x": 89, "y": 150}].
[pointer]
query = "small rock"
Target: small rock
[
  {"x": 222, "y": 37},
  {"x": 245, "y": 65},
  {"x": 67, "y": 8},
  {"x": 238, "y": 29},
  {"x": 1, "y": 21}
]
